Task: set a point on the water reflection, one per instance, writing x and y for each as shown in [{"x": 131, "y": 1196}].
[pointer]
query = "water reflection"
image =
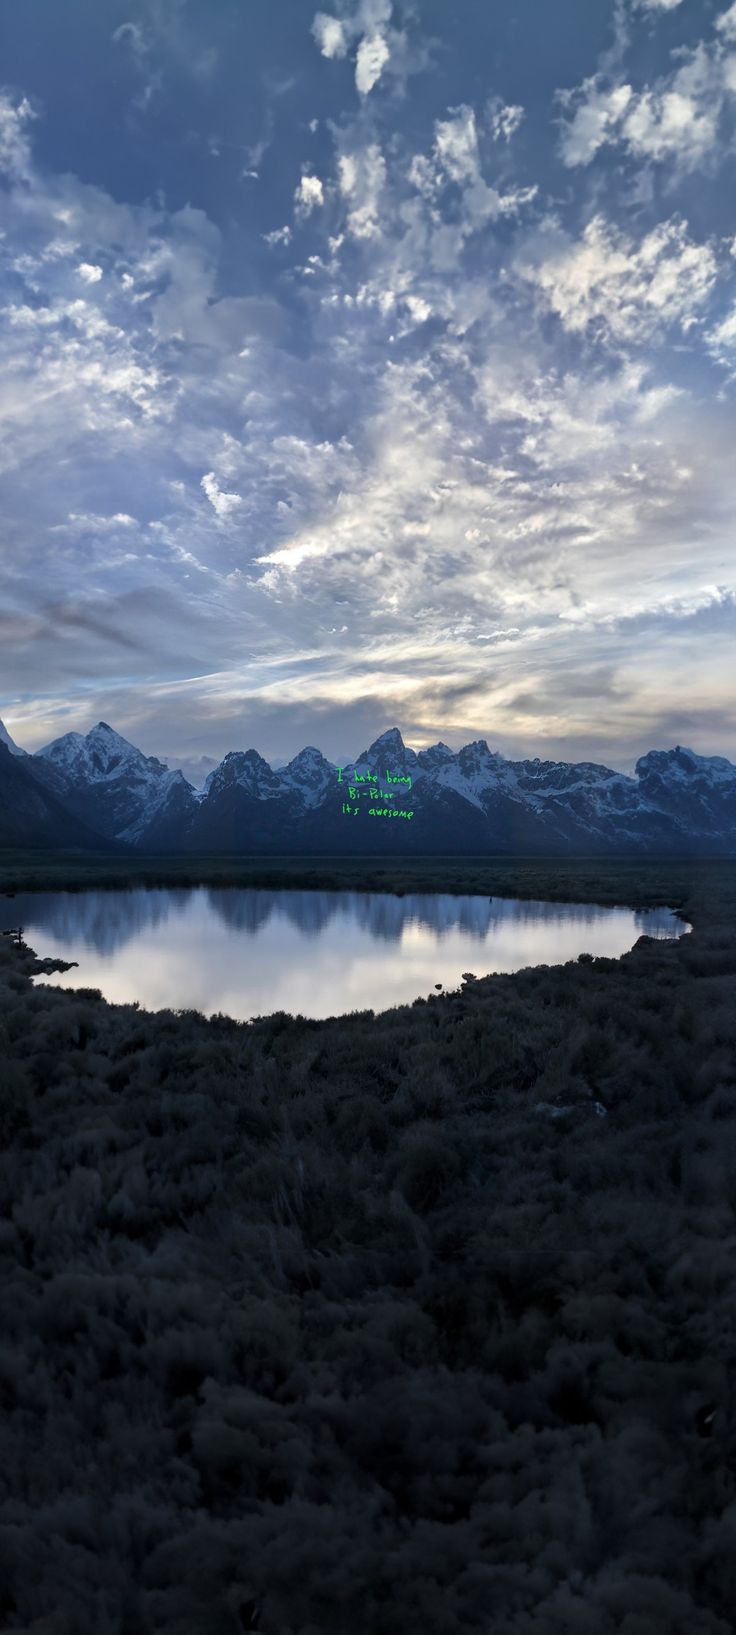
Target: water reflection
[{"x": 242, "y": 950}]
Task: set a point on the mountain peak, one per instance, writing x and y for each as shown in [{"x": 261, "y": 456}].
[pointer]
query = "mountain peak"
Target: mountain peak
[
  {"x": 255, "y": 758},
  {"x": 103, "y": 733},
  {"x": 390, "y": 740},
  {"x": 309, "y": 753},
  {"x": 436, "y": 755},
  {"x": 389, "y": 746},
  {"x": 101, "y": 753},
  {"x": 683, "y": 763}
]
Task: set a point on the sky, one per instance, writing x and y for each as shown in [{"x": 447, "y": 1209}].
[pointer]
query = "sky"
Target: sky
[{"x": 366, "y": 367}]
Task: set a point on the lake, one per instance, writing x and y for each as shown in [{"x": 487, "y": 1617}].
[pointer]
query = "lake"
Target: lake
[{"x": 249, "y": 952}]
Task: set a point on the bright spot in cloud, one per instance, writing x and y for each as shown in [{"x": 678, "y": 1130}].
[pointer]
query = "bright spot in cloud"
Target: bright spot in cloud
[
  {"x": 222, "y": 503},
  {"x": 89, "y": 272},
  {"x": 330, "y": 35},
  {"x": 726, "y": 23},
  {"x": 309, "y": 194},
  {"x": 373, "y": 54}
]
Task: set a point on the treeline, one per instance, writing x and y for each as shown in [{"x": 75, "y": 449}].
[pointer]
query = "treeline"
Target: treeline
[{"x": 412, "y": 1324}]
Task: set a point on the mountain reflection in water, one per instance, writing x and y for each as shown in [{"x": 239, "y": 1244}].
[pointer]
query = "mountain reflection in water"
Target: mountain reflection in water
[{"x": 248, "y": 951}]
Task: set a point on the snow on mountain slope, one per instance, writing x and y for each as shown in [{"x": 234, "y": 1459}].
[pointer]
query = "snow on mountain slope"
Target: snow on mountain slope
[
  {"x": 698, "y": 791},
  {"x": 388, "y": 753},
  {"x": 521, "y": 805},
  {"x": 246, "y": 770},
  {"x": 115, "y": 787},
  {"x": 310, "y": 775},
  {"x": 436, "y": 755},
  {"x": 470, "y": 799},
  {"x": 681, "y": 766},
  {"x": 478, "y": 774}
]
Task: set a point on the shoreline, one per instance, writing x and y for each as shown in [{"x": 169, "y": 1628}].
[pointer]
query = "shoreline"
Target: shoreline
[{"x": 603, "y": 883}]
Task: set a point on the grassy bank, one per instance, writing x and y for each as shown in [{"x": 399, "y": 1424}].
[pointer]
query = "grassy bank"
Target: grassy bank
[
  {"x": 418, "y": 1322},
  {"x": 612, "y": 881}
]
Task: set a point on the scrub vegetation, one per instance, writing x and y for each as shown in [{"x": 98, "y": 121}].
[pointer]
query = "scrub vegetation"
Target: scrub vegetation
[{"x": 419, "y": 1323}]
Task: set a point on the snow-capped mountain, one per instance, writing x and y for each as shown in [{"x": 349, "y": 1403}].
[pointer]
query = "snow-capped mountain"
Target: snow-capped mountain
[
  {"x": 699, "y": 791},
  {"x": 6, "y": 739},
  {"x": 309, "y": 774},
  {"x": 473, "y": 801},
  {"x": 116, "y": 789},
  {"x": 246, "y": 804}
]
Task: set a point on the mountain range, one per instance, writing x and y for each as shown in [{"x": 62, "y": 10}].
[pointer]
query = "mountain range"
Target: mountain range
[{"x": 98, "y": 791}]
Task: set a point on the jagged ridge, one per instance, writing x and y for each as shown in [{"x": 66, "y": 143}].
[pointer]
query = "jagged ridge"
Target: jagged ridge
[{"x": 472, "y": 800}]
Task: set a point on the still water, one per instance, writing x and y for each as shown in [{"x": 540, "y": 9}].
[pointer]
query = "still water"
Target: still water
[{"x": 249, "y": 952}]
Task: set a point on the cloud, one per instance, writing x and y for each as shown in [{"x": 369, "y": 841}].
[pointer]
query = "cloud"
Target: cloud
[
  {"x": 330, "y": 34},
  {"x": 89, "y": 273},
  {"x": 361, "y": 177},
  {"x": 628, "y": 291},
  {"x": 372, "y": 56},
  {"x": 132, "y": 35},
  {"x": 15, "y": 152},
  {"x": 280, "y": 235},
  {"x": 140, "y": 46},
  {"x": 308, "y": 196},
  {"x": 223, "y": 504},
  {"x": 726, "y": 23},
  {"x": 596, "y": 119},
  {"x": 504, "y": 119},
  {"x": 92, "y": 522},
  {"x": 379, "y": 46},
  {"x": 657, "y": 5},
  {"x": 677, "y": 119},
  {"x": 457, "y": 154},
  {"x": 422, "y": 481},
  {"x": 721, "y": 341},
  {"x": 456, "y": 144}
]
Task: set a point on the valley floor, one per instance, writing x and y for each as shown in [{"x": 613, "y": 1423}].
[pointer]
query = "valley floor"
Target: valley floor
[{"x": 418, "y": 1322}]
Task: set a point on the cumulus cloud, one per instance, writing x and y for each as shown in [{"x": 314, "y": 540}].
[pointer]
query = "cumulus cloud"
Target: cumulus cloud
[
  {"x": 677, "y": 118},
  {"x": 435, "y": 465},
  {"x": 372, "y": 56},
  {"x": 628, "y": 291},
  {"x": 330, "y": 34},
  {"x": 89, "y": 273},
  {"x": 223, "y": 504},
  {"x": 378, "y": 45},
  {"x": 596, "y": 119},
  {"x": 308, "y": 196}
]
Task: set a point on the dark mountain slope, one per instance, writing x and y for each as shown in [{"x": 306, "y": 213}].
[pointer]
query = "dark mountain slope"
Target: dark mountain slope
[{"x": 32, "y": 815}]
